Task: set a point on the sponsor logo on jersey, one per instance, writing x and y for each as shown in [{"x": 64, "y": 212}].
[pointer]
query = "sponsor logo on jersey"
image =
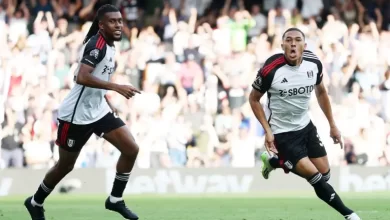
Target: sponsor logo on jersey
[
  {"x": 108, "y": 69},
  {"x": 296, "y": 91}
]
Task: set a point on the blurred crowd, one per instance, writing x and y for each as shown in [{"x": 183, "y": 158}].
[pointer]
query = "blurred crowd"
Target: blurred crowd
[{"x": 195, "y": 61}]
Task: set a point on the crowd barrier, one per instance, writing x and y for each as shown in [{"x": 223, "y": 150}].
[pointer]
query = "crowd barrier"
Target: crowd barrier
[{"x": 196, "y": 181}]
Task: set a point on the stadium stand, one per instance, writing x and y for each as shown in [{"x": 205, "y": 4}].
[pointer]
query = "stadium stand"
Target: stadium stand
[{"x": 195, "y": 62}]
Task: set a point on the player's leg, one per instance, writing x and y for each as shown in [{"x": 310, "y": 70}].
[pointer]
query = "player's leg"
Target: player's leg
[
  {"x": 115, "y": 131},
  {"x": 322, "y": 165},
  {"x": 293, "y": 154},
  {"x": 123, "y": 140},
  {"x": 282, "y": 142},
  {"x": 270, "y": 163},
  {"x": 55, "y": 175},
  {"x": 70, "y": 139},
  {"x": 324, "y": 191},
  {"x": 317, "y": 153},
  {"x": 318, "y": 157}
]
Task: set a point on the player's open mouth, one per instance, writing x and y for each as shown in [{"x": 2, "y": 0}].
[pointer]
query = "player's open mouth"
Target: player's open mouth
[
  {"x": 117, "y": 32},
  {"x": 293, "y": 52}
]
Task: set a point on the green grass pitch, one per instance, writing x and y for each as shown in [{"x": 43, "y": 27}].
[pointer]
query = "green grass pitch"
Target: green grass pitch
[{"x": 293, "y": 206}]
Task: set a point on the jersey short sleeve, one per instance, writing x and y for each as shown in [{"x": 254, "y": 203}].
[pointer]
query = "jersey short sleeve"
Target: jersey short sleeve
[
  {"x": 310, "y": 56},
  {"x": 94, "y": 51},
  {"x": 262, "y": 82},
  {"x": 266, "y": 74}
]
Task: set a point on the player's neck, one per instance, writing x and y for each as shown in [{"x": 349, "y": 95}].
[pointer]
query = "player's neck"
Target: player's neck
[
  {"x": 108, "y": 41},
  {"x": 293, "y": 62}
]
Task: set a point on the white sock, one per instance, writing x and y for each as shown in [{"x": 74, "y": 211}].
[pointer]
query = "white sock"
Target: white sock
[
  {"x": 35, "y": 203},
  {"x": 352, "y": 216},
  {"x": 115, "y": 199}
]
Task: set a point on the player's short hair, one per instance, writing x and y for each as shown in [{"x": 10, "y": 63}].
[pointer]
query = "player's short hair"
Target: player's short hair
[
  {"x": 93, "y": 30},
  {"x": 293, "y": 29}
]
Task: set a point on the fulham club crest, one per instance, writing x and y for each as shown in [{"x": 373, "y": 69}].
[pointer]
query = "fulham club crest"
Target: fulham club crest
[
  {"x": 70, "y": 142},
  {"x": 310, "y": 74}
]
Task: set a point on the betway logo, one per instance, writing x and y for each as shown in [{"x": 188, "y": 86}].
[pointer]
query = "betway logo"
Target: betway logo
[
  {"x": 172, "y": 181},
  {"x": 350, "y": 182}
]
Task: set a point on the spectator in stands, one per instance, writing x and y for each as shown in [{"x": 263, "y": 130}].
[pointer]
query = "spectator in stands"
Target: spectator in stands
[
  {"x": 350, "y": 155},
  {"x": 11, "y": 151},
  {"x": 194, "y": 61}
]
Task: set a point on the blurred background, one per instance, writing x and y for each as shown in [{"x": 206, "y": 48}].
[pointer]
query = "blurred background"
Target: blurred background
[{"x": 195, "y": 61}]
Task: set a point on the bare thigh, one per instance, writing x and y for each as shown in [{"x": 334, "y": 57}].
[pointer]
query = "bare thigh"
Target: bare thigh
[
  {"x": 321, "y": 163},
  {"x": 63, "y": 166},
  {"x": 305, "y": 168},
  {"x": 67, "y": 159},
  {"x": 123, "y": 140}
]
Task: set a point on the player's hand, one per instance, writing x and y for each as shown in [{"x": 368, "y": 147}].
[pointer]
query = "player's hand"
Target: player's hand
[
  {"x": 127, "y": 91},
  {"x": 336, "y": 136},
  {"x": 269, "y": 143}
]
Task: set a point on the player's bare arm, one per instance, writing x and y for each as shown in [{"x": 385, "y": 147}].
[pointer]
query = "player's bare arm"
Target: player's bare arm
[
  {"x": 85, "y": 78},
  {"x": 254, "y": 100},
  {"x": 323, "y": 101}
]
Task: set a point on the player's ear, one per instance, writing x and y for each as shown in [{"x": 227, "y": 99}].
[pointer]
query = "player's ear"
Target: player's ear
[
  {"x": 101, "y": 25},
  {"x": 282, "y": 45},
  {"x": 305, "y": 46}
]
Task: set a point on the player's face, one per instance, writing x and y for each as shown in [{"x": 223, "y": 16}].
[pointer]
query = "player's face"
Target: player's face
[
  {"x": 293, "y": 45},
  {"x": 113, "y": 25}
]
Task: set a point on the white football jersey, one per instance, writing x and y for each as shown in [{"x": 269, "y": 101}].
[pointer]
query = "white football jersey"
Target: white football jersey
[
  {"x": 85, "y": 105},
  {"x": 288, "y": 90}
]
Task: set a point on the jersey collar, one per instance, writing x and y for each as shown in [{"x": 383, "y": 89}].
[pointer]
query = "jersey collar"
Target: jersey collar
[
  {"x": 105, "y": 39},
  {"x": 290, "y": 64}
]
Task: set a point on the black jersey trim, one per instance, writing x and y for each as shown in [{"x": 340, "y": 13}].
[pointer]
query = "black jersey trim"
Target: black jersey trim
[
  {"x": 77, "y": 102},
  {"x": 94, "y": 51},
  {"x": 271, "y": 63}
]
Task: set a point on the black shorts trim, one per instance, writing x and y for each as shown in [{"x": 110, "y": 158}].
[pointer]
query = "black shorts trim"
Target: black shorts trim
[{"x": 72, "y": 137}]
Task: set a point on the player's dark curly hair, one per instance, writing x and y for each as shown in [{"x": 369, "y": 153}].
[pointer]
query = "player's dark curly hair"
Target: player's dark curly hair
[{"x": 93, "y": 30}]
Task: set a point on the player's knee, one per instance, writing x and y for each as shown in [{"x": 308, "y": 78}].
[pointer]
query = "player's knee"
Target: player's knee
[
  {"x": 135, "y": 150},
  {"x": 64, "y": 168},
  {"x": 326, "y": 176},
  {"x": 131, "y": 151}
]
